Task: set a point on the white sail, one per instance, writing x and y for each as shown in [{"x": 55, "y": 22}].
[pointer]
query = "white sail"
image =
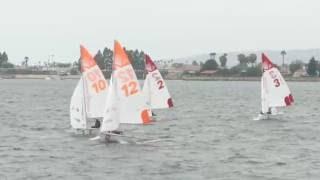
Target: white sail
[
  {"x": 155, "y": 89},
  {"x": 111, "y": 119},
  {"x": 274, "y": 90},
  {"x": 126, "y": 103},
  {"x": 134, "y": 109},
  {"x": 264, "y": 102},
  {"x": 95, "y": 86},
  {"x": 95, "y": 93},
  {"x": 88, "y": 99},
  {"x": 77, "y": 112}
]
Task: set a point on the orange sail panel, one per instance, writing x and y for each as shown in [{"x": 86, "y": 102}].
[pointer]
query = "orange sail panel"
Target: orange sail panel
[
  {"x": 94, "y": 84},
  {"x": 86, "y": 59}
]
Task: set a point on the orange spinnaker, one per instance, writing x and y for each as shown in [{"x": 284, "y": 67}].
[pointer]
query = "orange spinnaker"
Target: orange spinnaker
[
  {"x": 120, "y": 56},
  {"x": 86, "y": 59}
]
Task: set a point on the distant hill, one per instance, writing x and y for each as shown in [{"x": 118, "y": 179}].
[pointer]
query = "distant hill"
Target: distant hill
[{"x": 292, "y": 55}]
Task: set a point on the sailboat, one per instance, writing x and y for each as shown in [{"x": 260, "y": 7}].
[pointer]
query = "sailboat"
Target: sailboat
[
  {"x": 125, "y": 103},
  {"x": 88, "y": 99},
  {"x": 274, "y": 90},
  {"x": 154, "y": 88}
]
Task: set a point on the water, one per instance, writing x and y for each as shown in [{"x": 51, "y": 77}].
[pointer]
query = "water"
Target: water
[{"x": 210, "y": 135}]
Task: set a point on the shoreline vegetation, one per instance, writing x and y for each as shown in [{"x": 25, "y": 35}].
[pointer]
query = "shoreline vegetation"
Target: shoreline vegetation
[
  {"x": 184, "y": 78},
  {"x": 213, "y": 69},
  {"x": 295, "y": 79}
]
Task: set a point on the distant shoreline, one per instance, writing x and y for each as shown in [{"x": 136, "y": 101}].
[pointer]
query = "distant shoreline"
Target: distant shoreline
[
  {"x": 40, "y": 76},
  {"x": 295, "y": 79},
  {"x": 195, "y": 78}
]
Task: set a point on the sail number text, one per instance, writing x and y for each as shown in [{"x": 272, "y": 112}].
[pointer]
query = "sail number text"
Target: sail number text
[
  {"x": 275, "y": 78},
  {"x": 129, "y": 84},
  {"x": 158, "y": 79},
  {"x": 98, "y": 82}
]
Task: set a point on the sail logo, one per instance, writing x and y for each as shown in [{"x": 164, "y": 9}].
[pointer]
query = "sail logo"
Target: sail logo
[
  {"x": 98, "y": 83},
  {"x": 128, "y": 83},
  {"x": 274, "y": 76}
]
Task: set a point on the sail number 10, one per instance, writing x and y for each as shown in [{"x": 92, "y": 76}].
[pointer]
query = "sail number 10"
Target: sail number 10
[
  {"x": 98, "y": 82},
  {"x": 99, "y": 85}
]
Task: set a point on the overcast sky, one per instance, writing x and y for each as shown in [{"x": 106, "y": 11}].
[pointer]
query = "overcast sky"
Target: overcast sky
[{"x": 162, "y": 28}]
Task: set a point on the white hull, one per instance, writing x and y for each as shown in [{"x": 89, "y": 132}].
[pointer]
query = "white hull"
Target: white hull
[
  {"x": 123, "y": 139},
  {"x": 267, "y": 116},
  {"x": 88, "y": 131}
]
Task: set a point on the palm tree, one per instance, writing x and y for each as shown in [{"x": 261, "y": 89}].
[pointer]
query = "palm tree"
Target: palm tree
[
  {"x": 242, "y": 59},
  {"x": 283, "y": 53},
  {"x": 26, "y": 59},
  {"x": 223, "y": 60},
  {"x": 252, "y": 58}
]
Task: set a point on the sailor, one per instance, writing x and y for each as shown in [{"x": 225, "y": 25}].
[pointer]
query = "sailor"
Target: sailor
[
  {"x": 269, "y": 111},
  {"x": 118, "y": 132},
  {"x": 107, "y": 138},
  {"x": 97, "y": 124}
]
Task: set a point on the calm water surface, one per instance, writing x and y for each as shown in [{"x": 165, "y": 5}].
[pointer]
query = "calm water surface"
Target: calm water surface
[{"x": 210, "y": 135}]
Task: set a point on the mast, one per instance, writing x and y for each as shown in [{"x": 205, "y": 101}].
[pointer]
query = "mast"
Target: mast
[{"x": 84, "y": 100}]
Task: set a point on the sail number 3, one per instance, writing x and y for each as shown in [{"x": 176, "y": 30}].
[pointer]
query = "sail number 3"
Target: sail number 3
[
  {"x": 275, "y": 79},
  {"x": 276, "y": 82}
]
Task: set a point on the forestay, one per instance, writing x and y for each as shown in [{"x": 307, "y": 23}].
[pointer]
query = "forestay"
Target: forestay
[
  {"x": 274, "y": 90},
  {"x": 155, "y": 89}
]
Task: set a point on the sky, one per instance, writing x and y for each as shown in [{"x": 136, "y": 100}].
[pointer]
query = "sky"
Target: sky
[{"x": 162, "y": 28}]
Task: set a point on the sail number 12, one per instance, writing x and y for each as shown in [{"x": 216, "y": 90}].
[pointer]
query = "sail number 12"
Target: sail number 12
[{"x": 129, "y": 84}]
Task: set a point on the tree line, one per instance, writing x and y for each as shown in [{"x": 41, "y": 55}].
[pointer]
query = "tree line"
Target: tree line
[
  {"x": 248, "y": 66},
  {"x": 104, "y": 60},
  {"x": 4, "y": 61}
]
